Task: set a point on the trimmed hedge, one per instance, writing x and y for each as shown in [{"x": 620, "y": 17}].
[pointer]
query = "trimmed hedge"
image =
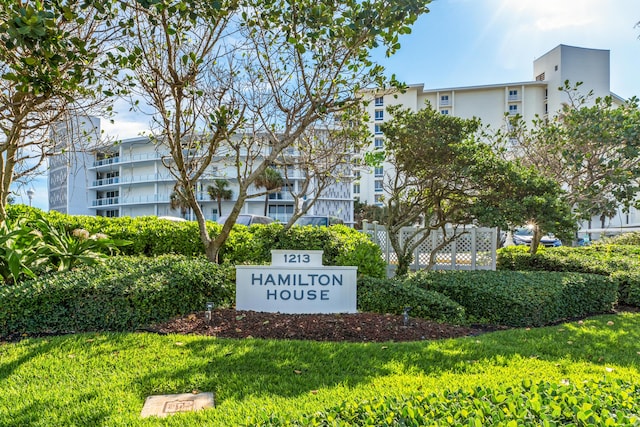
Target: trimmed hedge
[
  {"x": 123, "y": 294},
  {"x": 393, "y": 295},
  {"x": 621, "y": 262},
  {"x": 628, "y": 287},
  {"x": 603, "y": 403},
  {"x": 625, "y": 239},
  {"x": 151, "y": 236},
  {"x": 522, "y": 298}
]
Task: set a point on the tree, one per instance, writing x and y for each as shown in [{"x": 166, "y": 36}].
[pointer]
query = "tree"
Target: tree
[
  {"x": 219, "y": 192},
  {"x": 527, "y": 197},
  {"x": 445, "y": 179},
  {"x": 177, "y": 202},
  {"x": 52, "y": 66},
  {"x": 592, "y": 151},
  {"x": 243, "y": 80},
  {"x": 271, "y": 181},
  {"x": 440, "y": 172},
  {"x": 321, "y": 158},
  {"x": 371, "y": 213}
]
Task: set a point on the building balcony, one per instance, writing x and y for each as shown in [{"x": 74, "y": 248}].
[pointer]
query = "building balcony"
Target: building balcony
[
  {"x": 106, "y": 201},
  {"x": 105, "y": 181},
  {"x": 514, "y": 98},
  {"x": 156, "y": 177},
  {"x": 106, "y": 162},
  {"x": 143, "y": 157},
  {"x": 445, "y": 103}
]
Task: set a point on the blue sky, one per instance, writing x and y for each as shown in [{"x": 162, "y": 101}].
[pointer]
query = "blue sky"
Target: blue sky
[{"x": 475, "y": 42}]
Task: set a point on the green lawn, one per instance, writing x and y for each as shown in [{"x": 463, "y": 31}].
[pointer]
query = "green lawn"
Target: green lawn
[{"x": 103, "y": 379}]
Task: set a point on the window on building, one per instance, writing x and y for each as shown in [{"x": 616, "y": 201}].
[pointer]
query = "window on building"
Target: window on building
[
  {"x": 379, "y": 115},
  {"x": 378, "y": 171},
  {"x": 356, "y": 188},
  {"x": 356, "y": 174},
  {"x": 540, "y": 77},
  {"x": 379, "y": 102},
  {"x": 378, "y": 130},
  {"x": 444, "y": 99},
  {"x": 378, "y": 185},
  {"x": 283, "y": 193},
  {"x": 281, "y": 213},
  {"x": 513, "y": 94},
  {"x": 112, "y": 213},
  {"x": 379, "y": 199},
  {"x": 445, "y": 112},
  {"x": 378, "y": 143},
  {"x": 513, "y": 109},
  {"x": 556, "y": 68}
]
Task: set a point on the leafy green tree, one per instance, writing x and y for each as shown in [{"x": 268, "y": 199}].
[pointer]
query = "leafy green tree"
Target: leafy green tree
[
  {"x": 243, "y": 80},
  {"x": 526, "y": 197},
  {"x": 363, "y": 211},
  {"x": 52, "y": 66},
  {"x": 219, "y": 192},
  {"x": 591, "y": 149},
  {"x": 446, "y": 178},
  {"x": 271, "y": 180},
  {"x": 441, "y": 171}
]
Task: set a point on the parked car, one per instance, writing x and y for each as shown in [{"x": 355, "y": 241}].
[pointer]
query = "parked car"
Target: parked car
[
  {"x": 247, "y": 219},
  {"x": 524, "y": 235},
  {"x": 318, "y": 220}
]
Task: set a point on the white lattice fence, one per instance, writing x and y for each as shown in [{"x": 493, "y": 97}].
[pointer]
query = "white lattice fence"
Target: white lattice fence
[{"x": 474, "y": 249}]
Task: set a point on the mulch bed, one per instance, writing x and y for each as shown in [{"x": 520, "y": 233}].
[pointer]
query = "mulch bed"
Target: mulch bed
[{"x": 360, "y": 327}]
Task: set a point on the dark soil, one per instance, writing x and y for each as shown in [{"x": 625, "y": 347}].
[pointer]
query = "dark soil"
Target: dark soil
[{"x": 360, "y": 327}]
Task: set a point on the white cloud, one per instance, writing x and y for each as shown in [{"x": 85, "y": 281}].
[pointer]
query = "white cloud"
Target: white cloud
[
  {"x": 123, "y": 129},
  {"x": 551, "y": 15}
]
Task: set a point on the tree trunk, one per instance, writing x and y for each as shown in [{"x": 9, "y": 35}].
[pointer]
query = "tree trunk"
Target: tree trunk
[
  {"x": 404, "y": 262},
  {"x": 535, "y": 240},
  {"x": 404, "y": 257}
]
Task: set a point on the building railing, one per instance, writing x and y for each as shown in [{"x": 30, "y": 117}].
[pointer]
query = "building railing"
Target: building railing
[
  {"x": 146, "y": 178},
  {"x": 514, "y": 97},
  {"x": 109, "y": 161},
  {"x": 142, "y": 157},
  {"x": 106, "y": 181},
  {"x": 106, "y": 201}
]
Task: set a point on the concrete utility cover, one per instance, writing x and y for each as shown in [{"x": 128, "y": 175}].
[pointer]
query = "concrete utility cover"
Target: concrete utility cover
[{"x": 167, "y": 404}]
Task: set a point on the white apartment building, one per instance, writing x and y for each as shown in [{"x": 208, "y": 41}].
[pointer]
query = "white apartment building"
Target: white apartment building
[
  {"x": 129, "y": 179},
  {"x": 538, "y": 97}
]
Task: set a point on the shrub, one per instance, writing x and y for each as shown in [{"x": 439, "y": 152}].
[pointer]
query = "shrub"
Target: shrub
[
  {"x": 341, "y": 245},
  {"x": 603, "y": 403},
  {"x": 625, "y": 239},
  {"x": 618, "y": 261},
  {"x": 393, "y": 295},
  {"x": 123, "y": 294},
  {"x": 628, "y": 287},
  {"x": 151, "y": 236},
  {"x": 522, "y": 298}
]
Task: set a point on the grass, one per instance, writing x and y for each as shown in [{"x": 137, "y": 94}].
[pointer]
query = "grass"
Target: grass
[{"x": 103, "y": 379}]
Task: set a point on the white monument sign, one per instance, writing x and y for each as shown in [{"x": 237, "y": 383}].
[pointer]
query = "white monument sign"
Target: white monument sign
[{"x": 296, "y": 282}]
